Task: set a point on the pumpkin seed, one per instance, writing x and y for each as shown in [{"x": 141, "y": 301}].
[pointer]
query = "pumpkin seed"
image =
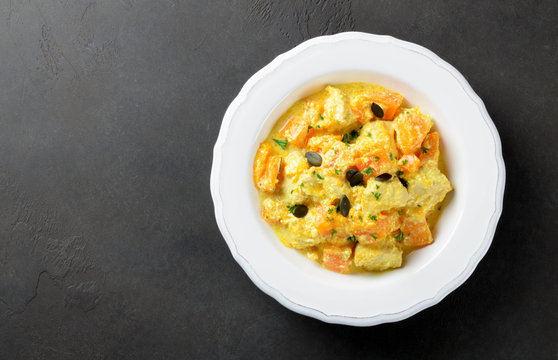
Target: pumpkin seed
[
  {"x": 349, "y": 174},
  {"x": 300, "y": 211},
  {"x": 356, "y": 179},
  {"x": 383, "y": 177},
  {"x": 377, "y": 110},
  {"x": 344, "y": 206},
  {"x": 313, "y": 158},
  {"x": 404, "y": 182}
]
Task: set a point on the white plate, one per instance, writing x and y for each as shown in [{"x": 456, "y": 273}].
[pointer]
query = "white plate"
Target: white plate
[{"x": 474, "y": 162}]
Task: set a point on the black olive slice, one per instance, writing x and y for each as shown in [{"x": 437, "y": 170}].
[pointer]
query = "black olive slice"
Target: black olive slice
[{"x": 313, "y": 158}]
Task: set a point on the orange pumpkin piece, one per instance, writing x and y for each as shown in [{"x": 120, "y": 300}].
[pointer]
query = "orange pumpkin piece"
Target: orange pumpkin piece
[
  {"x": 374, "y": 228},
  {"x": 295, "y": 131},
  {"x": 267, "y": 166},
  {"x": 415, "y": 231},
  {"x": 374, "y": 164},
  {"x": 327, "y": 221},
  {"x": 409, "y": 163},
  {"x": 337, "y": 258},
  {"x": 429, "y": 152},
  {"x": 389, "y": 101},
  {"x": 298, "y": 129},
  {"x": 411, "y": 128}
]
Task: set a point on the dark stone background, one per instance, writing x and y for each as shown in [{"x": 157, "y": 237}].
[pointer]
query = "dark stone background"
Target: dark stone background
[{"x": 109, "y": 110}]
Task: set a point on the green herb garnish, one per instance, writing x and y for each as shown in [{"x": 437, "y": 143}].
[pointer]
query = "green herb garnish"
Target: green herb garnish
[
  {"x": 282, "y": 143},
  {"x": 352, "y": 238},
  {"x": 319, "y": 176},
  {"x": 399, "y": 237},
  {"x": 377, "y": 158},
  {"x": 373, "y": 217},
  {"x": 333, "y": 232},
  {"x": 399, "y": 173},
  {"x": 424, "y": 149},
  {"x": 368, "y": 170},
  {"x": 337, "y": 171},
  {"x": 374, "y": 237},
  {"x": 291, "y": 208}
]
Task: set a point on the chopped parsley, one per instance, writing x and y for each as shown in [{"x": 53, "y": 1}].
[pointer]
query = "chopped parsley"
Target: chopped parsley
[
  {"x": 319, "y": 176},
  {"x": 337, "y": 171},
  {"x": 368, "y": 170},
  {"x": 377, "y": 158},
  {"x": 369, "y": 135},
  {"x": 352, "y": 238},
  {"x": 399, "y": 212},
  {"x": 399, "y": 173},
  {"x": 291, "y": 208},
  {"x": 329, "y": 219},
  {"x": 377, "y": 195},
  {"x": 318, "y": 126},
  {"x": 419, "y": 205},
  {"x": 374, "y": 237},
  {"x": 330, "y": 210},
  {"x": 282, "y": 143},
  {"x": 391, "y": 156},
  {"x": 399, "y": 237},
  {"x": 373, "y": 217},
  {"x": 360, "y": 217},
  {"x": 347, "y": 138},
  {"x": 292, "y": 191},
  {"x": 321, "y": 116},
  {"x": 309, "y": 127},
  {"x": 404, "y": 161},
  {"x": 424, "y": 149},
  {"x": 302, "y": 184},
  {"x": 377, "y": 186},
  {"x": 333, "y": 232}
]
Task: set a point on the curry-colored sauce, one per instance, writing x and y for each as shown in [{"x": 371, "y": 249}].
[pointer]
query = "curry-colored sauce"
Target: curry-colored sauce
[{"x": 365, "y": 223}]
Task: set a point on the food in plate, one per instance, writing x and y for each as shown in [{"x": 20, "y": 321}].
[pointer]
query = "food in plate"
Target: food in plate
[{"x": 351, "y": 177}]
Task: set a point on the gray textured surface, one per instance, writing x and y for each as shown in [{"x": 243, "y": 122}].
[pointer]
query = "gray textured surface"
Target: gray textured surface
[{"x": 108, "y": 115}]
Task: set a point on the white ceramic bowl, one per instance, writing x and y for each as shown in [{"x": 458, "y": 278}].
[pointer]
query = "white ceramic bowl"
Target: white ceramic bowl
[{"x": 474, "y": 162}]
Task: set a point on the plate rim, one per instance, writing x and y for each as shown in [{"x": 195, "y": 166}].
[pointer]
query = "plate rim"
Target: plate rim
[{"x": 307, "y": 310}]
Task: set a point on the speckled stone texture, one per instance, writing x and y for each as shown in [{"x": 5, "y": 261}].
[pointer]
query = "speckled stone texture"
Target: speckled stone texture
[{"x": 109, "y": 110}]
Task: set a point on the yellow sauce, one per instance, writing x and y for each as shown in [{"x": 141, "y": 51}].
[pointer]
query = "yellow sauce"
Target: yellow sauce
[{"x": 368, "y": 222}]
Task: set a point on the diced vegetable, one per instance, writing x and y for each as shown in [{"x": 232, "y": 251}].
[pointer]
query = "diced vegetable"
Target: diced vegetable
[
  {"x": 267, "y": 166},
  {"x": 409, "y": 163},
  {"x": 411, "y": 128},
  {"x": 378, "y": 256},
  {"x": 374, "y": 164},
  {"x": 429, "y": 152},
  {"x": 415, "y": 231},
  {"x": 370, "y": 231},
  {"x": 337, "y": 258}
]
